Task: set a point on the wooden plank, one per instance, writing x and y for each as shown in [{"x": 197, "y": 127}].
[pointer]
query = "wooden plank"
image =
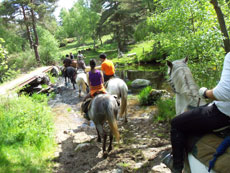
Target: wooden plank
[{"x": 23, "y": 80}]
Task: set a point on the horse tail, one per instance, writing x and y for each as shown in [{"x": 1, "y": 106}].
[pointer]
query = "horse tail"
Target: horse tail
[
  {"x": 84, "y": 86},
  {"x": 113, "y": 124},
  {"x": 124, "y": 95}
]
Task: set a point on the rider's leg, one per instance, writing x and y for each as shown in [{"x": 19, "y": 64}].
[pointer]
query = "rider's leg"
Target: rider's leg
[{"x": 198, "y": 121}]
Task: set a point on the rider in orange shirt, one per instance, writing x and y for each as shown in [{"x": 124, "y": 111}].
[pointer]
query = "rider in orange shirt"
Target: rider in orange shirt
[{"x": 107, "y": 67}]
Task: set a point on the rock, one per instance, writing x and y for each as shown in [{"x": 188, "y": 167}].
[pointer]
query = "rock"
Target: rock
[
  {"x": 82, "y": 146},
  {"x": 149, "y": 153},
  {"x": 140, "y": 83},
  {"x": 55, "y": 71},
  {"x": 160, "y": 169}
]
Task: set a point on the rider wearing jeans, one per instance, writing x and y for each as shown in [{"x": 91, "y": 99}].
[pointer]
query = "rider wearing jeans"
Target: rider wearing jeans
[{"x": 203, "y": 119}]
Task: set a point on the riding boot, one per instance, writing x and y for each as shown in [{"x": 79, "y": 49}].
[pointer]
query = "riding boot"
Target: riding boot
[{"x": 178, "y": 149}]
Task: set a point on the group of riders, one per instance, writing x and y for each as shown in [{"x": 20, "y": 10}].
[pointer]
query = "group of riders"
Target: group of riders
[
  {"x": 96, "y": 78},
  {"x": 205, "y": 118}
]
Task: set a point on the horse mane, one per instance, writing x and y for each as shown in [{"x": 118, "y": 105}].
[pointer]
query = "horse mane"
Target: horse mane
[{"x": 182, "y": 80}]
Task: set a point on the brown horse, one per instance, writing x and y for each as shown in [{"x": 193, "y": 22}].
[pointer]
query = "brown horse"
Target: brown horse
[{"x": 74, "y": 63}]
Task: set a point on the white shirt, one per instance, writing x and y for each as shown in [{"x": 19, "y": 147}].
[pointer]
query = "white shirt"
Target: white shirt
[{"x": 222, "y": 90}]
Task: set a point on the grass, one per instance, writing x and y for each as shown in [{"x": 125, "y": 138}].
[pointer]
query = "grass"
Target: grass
[
  {"x": 110, "y": 48},
  {"x": 27, "y": 134},
  {"x": 166, "y": 110}
]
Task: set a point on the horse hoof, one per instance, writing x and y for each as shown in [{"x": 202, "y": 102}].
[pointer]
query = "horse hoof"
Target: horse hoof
[
  {"x": 105, "y": 155},
  {"x": 98, "y": 139},
  {"x": 109, "y": 149}
]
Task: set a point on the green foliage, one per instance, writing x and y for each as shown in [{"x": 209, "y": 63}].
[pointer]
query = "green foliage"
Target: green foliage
[
  {"x": 143, "y": 31},
  {"x": 80, "y": 22},
  {"x": 48, "y": 48},
  {"x": 166, "y": 110},
  {"x": 143, "y": 96},
  {"x": 27, "y": 139},
  {"x": 186, "y": 30},
  {"x": 5, "y": 71},
  {"x": 23, "y": 61},
  {"x": 14, "y": 41}
]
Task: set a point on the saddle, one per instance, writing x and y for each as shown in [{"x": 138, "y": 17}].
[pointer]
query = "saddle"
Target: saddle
[
  {"x": 204, "y": 147},
  {"x": 85, "y": 106}
]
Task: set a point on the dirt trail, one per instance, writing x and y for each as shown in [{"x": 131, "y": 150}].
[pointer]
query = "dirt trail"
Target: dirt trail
[{"x": 140, "y": 150}]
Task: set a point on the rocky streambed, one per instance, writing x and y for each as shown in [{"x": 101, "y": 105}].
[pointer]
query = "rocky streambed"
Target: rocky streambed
[{"x": 141, "y": 148}]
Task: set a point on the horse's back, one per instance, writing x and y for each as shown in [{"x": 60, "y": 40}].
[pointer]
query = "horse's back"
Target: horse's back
[
  {"x": 102, "y": 106},
  {"x": 82, "y": 76},
  {"x": 116, "y": 85}
]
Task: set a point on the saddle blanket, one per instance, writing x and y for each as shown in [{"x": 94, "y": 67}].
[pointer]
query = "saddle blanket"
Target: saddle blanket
[{"x": 205, "y": 148}]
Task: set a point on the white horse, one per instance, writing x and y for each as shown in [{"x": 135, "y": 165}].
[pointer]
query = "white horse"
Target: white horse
[
  {"x": 104, "y": 108},
  {"x": 187, "y": 97},
  {"x": 82, "y": 82},
  {"x": 181, "y": 80},
  {"x": 117, "y": 86}
]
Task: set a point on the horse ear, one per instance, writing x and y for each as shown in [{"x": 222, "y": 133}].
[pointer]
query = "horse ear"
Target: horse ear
[
  {"x": 169, "y": 63},
  {"x": 186, "y": 60}
]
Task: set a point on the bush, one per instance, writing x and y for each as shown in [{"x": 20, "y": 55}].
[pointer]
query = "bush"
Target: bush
[
  {"x": 27, "y": 139},
  {"x": 6, "y": 71},
  {"x": 23, "y": 61},
  {"x": 166, "y": 109},
  {"x": 143, "y": 96},
  {"x": 48, "y": 48}
]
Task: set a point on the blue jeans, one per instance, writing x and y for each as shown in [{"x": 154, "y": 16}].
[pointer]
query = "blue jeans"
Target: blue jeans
[{"x": 198, "y": 121}]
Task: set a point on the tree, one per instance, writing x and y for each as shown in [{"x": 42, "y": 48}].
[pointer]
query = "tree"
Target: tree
[
  {"x": 80, "y": 21},
  {"x": 120, "y": 18},
  {"x": 27, "y": 12},
  {"x": 221, "y": 21}
]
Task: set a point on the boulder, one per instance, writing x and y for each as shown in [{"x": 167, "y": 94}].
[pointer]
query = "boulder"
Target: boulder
[
  {"x": 55, "y": 71},
  {"x": 140, "y": 83}
]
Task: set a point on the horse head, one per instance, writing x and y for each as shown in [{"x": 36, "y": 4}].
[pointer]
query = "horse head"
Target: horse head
[{"x": 184, "y": 86}]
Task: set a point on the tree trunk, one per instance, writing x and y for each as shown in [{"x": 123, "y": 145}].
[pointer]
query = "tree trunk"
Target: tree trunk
[
  {"x": 222, "y": 25},
  {"x": 27, "y": 27},
  {"x": 35, "y": 45},
  {"x": 34, "y": 26}
]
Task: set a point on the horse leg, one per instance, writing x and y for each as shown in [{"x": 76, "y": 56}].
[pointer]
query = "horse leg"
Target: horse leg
[
  {"x": 65, "y": 81},
  {"x": 110, "y": 142},
  {"x": 105, "y": 154},
  {"x": 101, "y": 131},
  {"x": 74, "y": 86},
  {"x": 126, "y": 120},
  {"x": 98, "y": 136},
  {"x": 79, "y": 92}
]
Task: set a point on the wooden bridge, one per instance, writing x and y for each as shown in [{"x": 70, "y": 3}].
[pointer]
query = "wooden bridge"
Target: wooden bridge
[{"x": 23, "y": 80}]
